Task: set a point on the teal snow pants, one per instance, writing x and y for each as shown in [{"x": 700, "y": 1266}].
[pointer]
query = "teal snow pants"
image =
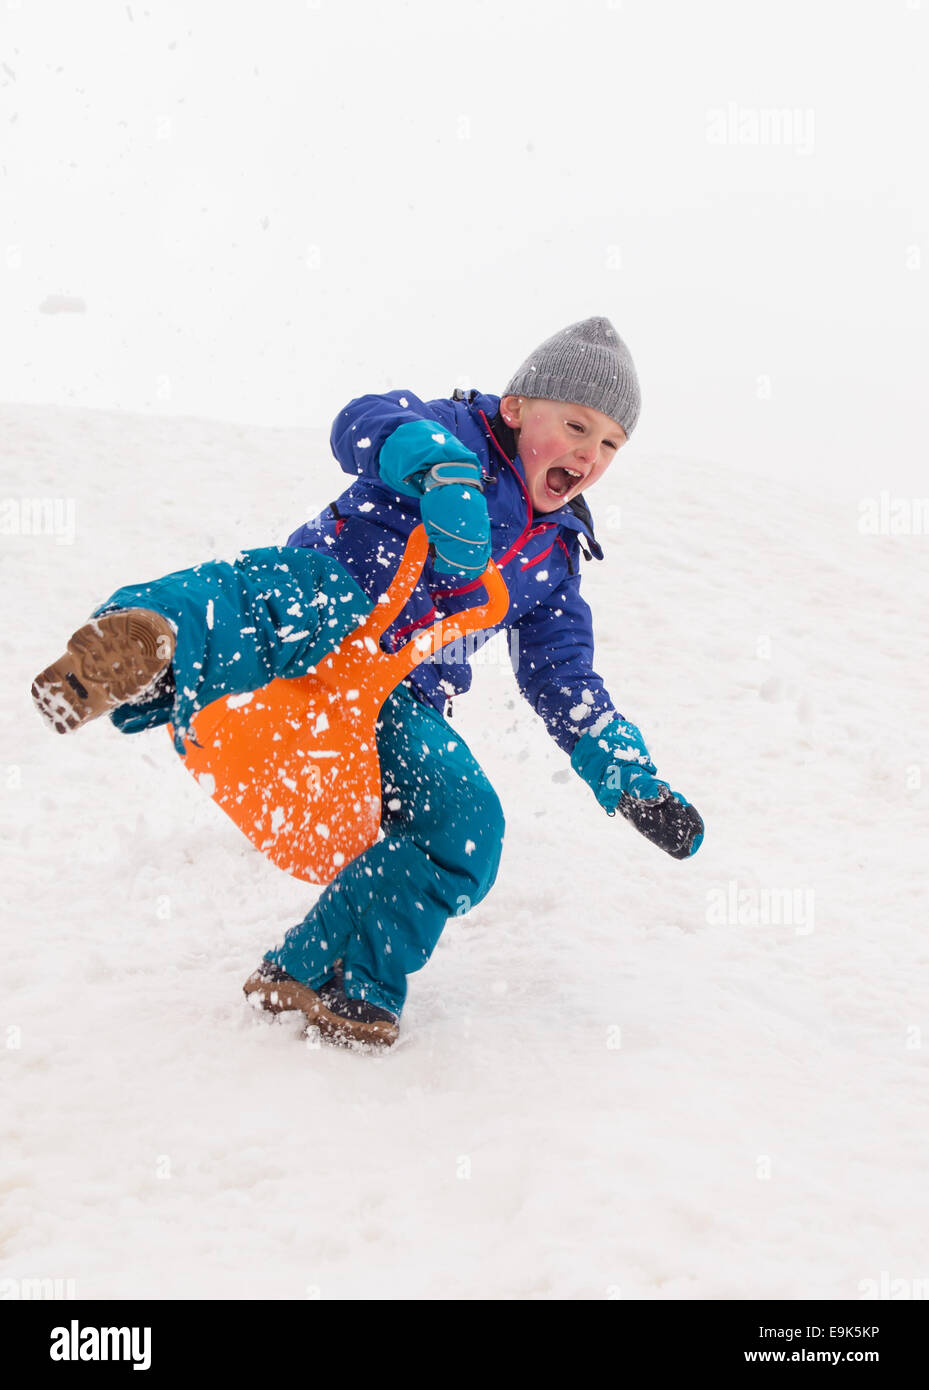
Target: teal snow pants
[
  {"x": 276, "y": 612},
  {"x": 443, "y": 832}
]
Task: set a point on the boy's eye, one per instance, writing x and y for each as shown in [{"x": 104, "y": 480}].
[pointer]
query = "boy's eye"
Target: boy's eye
[{"x": 572, "y": 425}]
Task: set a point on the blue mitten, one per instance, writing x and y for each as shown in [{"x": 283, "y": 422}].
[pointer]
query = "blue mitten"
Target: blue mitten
[
  {"x": 455, "y": 517},
  {"x": 616, "y": 766},
  {"x": 421, "y": 459}
]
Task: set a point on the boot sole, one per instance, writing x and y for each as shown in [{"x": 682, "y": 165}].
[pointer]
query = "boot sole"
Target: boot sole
[
  {"x": 278, "y": 997},
  {"x": 109, "y": 660}
]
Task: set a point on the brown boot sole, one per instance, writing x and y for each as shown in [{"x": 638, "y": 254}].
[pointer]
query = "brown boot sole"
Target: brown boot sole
[
  {"x": 109, "y": 660},
  {"x": 278, "y": 996}
]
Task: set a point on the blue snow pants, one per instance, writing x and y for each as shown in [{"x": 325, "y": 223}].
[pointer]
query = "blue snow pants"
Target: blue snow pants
[{"x": 276, "y": 612}]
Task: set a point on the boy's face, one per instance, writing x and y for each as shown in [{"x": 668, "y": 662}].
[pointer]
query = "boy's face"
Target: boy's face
[{"x": 564, "y": 448}]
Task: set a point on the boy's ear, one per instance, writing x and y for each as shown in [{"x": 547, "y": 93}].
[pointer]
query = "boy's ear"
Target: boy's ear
[{"x": 512, "y": 409}]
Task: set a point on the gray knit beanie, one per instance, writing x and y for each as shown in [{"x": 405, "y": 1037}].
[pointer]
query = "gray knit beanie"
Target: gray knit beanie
[{"x": 587, "y": 363}]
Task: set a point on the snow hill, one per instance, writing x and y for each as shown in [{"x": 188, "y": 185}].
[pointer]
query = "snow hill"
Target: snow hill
[{"x": 620, "y": 1076}]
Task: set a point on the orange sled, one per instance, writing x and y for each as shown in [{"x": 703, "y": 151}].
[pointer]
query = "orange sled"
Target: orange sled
[{"x": 295, "y": 763}]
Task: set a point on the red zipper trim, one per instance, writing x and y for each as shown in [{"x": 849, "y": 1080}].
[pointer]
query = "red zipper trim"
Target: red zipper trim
[
  {"x": 499, "y": 446},
  {"x": 537, "y": 559},
  {"x": 397, "y": 637}
]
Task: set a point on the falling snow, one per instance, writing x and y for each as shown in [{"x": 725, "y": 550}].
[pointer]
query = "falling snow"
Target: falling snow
[{"x": 676, "y": 1052}]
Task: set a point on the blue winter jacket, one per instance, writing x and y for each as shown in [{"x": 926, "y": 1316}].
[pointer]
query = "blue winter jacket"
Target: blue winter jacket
[{"x": 366, "y": 528}]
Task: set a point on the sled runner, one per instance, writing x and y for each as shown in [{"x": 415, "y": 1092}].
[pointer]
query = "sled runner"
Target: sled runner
[{"x": 295, "y": 763}]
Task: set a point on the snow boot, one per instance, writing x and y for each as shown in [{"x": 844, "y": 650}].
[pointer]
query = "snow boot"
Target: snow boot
[
  {"x": 110, "y": 661},
  {"x": 353, "y": 1020},
  {"x": 328, "y": 1009}
]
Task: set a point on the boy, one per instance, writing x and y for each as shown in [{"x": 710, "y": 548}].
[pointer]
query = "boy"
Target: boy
[{"x": 487, "y": 475}]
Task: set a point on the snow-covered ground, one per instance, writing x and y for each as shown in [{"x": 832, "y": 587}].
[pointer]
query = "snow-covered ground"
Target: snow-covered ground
[{"x": 620, "y": 1076}]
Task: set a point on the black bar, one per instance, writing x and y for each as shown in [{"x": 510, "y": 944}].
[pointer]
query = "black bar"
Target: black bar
[{"x": 203, "y": 1337}]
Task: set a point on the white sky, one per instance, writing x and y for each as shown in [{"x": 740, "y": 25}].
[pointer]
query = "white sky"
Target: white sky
[{"x": 270, "y": 209}]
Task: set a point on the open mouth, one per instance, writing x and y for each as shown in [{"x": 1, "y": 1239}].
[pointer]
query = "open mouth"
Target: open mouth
[{"x": 559, "y": 481}]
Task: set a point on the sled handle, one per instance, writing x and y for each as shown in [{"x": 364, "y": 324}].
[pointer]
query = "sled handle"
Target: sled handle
[
  {"x": 379, "y": 671},
  {"x": 431, "y": 639},
  {"x": 401, "y": 586}
]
